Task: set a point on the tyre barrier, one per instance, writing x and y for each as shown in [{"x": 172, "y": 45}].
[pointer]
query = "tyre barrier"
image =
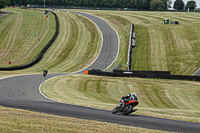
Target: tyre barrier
[
  {"x": 39, "y": 57},
  {"x": 144, "y": 74}
]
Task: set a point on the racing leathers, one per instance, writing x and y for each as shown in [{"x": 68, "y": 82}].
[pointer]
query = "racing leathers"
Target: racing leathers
[{"x": 127, "y": 98}]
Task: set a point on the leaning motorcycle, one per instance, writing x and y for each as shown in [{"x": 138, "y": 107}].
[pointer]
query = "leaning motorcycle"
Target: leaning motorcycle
[
  {"x": 45, "y": 73},
  {"x": 127, "y": 109}
]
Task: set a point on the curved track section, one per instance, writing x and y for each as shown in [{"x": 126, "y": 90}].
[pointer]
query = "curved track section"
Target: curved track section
[
  {"x": 22, "y": 92},
  {"x": 110, "y": 43}
]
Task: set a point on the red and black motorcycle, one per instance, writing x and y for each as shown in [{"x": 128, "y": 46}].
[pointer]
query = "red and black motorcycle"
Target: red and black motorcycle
[{"x": 127, "y": 109}]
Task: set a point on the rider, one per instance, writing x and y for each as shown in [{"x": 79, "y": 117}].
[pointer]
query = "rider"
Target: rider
[
  {"x": 127, "y": 98},
  {"x": 45, "y": 71}
]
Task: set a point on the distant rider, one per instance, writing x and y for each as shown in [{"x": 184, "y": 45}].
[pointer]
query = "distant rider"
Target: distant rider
[
  {"x": 127, "y": 98},
  {"x": 45, "y": 72}
]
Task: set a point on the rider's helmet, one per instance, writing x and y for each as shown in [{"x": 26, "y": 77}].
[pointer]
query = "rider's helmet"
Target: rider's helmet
[{"x": 134, "y": 95}]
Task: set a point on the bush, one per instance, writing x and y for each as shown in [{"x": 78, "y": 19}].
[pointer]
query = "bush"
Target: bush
[{"x": 198, "y": 10}]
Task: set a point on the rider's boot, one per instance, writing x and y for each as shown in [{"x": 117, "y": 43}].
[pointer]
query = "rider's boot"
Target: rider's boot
[{"x": 134, "y": 110}]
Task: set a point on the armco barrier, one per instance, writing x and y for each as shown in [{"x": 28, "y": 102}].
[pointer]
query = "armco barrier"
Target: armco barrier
[
  {"x": 39, "y": 57},
  {"x": 131, "y": 46},
  {"x": 155, "y": 76}
]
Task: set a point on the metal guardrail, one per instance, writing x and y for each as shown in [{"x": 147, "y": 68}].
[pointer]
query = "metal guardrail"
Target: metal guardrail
[
  {"x": 132, "y": 44},
  {"x": 116, "y": 68}
]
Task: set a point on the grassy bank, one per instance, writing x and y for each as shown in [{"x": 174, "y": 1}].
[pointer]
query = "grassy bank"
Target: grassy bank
[
  {"x": 161, "y": 98},
  {"x": 15, "y": 120},
  {"x": 20, "y": 32},
  {"x": 158, "y": 46},
  {"x": 77, "y": 45}
]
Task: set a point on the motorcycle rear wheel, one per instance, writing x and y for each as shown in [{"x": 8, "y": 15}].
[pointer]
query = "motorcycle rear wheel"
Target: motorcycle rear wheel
[
  {"x": 44, "y": 74},
  {"x": 127, "y": 109}
]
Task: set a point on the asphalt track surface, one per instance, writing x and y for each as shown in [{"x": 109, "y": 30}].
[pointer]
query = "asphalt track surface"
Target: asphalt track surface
[
  {"x": 197, "y": 73},
  {"x": 3, "y": 13},
  {"x": 23, "y": 92}
]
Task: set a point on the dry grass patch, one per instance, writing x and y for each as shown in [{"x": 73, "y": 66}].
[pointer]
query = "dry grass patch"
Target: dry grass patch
[{"x": 16, "y": 120}]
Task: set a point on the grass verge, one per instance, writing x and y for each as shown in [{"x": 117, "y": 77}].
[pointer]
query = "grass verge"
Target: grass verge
[
  {"x": 20, "y": 32},
  {"x": 16, "y": 120}
]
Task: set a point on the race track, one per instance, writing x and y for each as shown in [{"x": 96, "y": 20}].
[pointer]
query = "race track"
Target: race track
[{"x": 23, "y": 92}]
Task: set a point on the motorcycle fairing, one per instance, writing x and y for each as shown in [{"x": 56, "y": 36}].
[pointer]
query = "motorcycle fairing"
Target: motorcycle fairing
[{"x": 134, "y": 102}]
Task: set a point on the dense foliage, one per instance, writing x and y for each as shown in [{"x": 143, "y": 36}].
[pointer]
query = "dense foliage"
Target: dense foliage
[
  {"x": 137, "y": 4},
  {"x": 3, "y": 3},
  {"x": 191, "y": 5},
  {"x": 179, "y": 4},
  {"x": 157, "y": 5}
]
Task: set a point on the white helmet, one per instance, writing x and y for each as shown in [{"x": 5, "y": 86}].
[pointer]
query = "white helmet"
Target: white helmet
[{"x": 134, "y": 94}]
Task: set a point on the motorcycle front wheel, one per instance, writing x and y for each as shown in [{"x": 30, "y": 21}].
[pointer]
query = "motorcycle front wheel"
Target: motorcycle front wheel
[
  {"x": 114, "y": 111},
  {"x": 127, "y": 109},
  {"x": 44, "y": 74}
]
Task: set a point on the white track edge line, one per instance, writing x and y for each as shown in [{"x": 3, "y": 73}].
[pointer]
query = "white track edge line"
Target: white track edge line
[{"x": 196, "y": 72}]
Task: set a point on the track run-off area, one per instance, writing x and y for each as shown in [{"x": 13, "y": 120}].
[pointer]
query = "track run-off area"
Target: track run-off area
[{"x": 23, "y": 92}]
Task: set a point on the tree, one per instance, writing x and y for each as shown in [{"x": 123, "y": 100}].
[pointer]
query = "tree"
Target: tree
[
  {"x": 3, "y": 3},
  {"x": 179, "y": 4},
  {"x": 191, "y": 5},
  {"x": 142, "y": 4},
  {"x": 169, "y": 2},
  {"x": 157, "y": 5}
]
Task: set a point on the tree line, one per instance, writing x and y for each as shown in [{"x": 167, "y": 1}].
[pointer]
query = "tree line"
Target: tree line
[
  {"x": 137, "y": 4},
  {"x": 155, "y": 5},
  {"x": 180, "y": 5},
  {"x": 3, "y": 3}
]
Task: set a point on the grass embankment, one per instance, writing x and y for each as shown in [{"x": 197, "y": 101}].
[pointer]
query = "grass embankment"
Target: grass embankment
[
  {"x": 161, "y": 98},
  {"x": 158, "y": 46},
  {"x": 77, "y": 45},
  {"x": 20, "y": 32},
  {"x": 15, "y": 120}
]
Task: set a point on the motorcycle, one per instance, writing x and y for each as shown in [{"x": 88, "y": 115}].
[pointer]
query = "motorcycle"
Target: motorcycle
[
  {"x": 127, "y": 109},
  {"x": 45, "y": 73}
]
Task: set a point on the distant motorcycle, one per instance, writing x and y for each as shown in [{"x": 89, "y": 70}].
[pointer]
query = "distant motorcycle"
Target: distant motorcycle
[
  {"x": 127, "y": 109},
  {"x": 45, "y": 72}
]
